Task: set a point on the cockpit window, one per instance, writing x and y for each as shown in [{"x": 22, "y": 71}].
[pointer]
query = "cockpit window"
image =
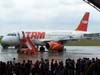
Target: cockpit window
[{"x": 11, "y": 34}]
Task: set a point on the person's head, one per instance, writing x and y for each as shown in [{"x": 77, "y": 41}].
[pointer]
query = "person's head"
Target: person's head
[{"x": 14, "y": 58}]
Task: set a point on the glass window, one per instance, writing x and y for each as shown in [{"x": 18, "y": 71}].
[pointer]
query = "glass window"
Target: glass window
[{"x": 11, "y": 34}]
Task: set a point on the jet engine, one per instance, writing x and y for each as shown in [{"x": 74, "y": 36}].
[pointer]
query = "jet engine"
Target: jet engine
[{"x": 54, "y": 46}]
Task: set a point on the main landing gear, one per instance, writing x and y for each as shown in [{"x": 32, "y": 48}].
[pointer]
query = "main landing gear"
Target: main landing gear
[{"x": 42, "y": 49}]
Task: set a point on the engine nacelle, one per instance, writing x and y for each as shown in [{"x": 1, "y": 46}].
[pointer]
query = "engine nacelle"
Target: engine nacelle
[{"x": 54, "y": 46}]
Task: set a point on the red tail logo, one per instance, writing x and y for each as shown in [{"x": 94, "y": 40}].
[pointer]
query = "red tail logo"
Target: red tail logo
[{"x": 84, "y": 23}]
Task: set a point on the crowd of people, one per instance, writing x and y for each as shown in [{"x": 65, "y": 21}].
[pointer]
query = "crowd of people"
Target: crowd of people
[{"x": 84, "y": 66}]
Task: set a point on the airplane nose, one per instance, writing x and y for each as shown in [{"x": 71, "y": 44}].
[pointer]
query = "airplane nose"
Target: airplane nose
[
  {"x": 11, "y": 41},
  {"x": 3, "y": 41}
]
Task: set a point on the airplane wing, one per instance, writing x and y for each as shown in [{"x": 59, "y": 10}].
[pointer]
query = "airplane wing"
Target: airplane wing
[
  {"x": 55, "y": 39},
  {"x": 67, "y": 38},
  {"x": 63, "y": 40}
]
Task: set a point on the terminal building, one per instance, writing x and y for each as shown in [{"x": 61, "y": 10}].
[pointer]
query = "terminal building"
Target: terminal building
[{"x": 94, "y": 36}]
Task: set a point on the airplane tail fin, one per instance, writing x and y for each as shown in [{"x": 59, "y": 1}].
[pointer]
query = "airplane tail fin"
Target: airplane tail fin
[{"x": 84, "y": 23}]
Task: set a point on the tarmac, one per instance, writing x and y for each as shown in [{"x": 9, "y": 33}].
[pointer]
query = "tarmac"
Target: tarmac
[{"x": 73, "y": 52}]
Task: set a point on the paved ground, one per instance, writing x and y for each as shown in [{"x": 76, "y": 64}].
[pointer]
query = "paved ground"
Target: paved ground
[{"x": 73, "y": 52}]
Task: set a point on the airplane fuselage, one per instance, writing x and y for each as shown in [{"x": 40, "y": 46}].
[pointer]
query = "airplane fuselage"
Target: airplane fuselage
[{"x": 13, "y": 40}]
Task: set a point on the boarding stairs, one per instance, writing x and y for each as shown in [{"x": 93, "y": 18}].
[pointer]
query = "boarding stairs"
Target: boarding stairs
[{"x": 30, "y": 47}]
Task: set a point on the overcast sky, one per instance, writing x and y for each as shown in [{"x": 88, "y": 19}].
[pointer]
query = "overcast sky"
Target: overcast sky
[{"x": 17, "y": 15}]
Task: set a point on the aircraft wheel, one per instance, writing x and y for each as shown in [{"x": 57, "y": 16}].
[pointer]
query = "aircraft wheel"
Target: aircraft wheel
[
  {"x": 42, "y": 49},
  {"x": 16, "y": 47},
  {"x": 61, "y": 50},
  {"x": 4, "y": 46},
  {"x": 18, "y": 51}
]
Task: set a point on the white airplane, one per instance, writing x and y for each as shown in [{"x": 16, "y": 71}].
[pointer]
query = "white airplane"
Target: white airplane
[{"x": 50, "y": 39}]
